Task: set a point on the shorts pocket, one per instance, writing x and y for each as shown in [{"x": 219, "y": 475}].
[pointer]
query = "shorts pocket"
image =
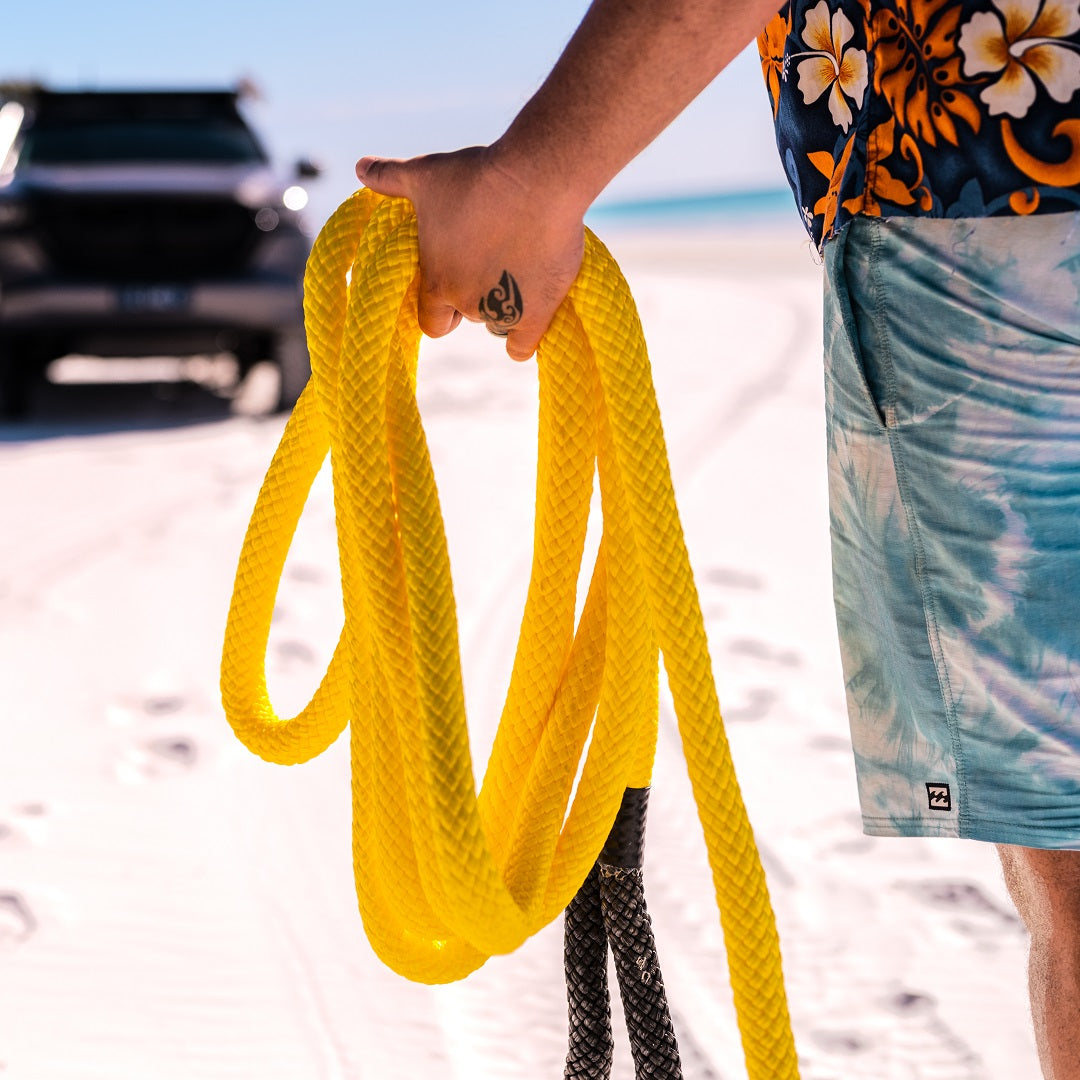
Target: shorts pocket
[
  {"x": 913, "y": 324},
  {"x": 853, "y": 399}
]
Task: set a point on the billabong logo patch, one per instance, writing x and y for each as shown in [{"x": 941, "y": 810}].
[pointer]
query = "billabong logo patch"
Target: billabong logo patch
[{"x": 939, "y": 796}]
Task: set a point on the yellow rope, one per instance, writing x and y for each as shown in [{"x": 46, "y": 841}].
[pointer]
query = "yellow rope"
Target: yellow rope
[{"x": 447, "y": 877}]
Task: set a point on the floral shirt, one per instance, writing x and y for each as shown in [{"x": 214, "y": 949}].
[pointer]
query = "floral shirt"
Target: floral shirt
[{"x": 939, "y": 108}]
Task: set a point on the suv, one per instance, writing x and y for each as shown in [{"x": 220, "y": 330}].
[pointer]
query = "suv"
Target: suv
[{"x": 135, "y": 223}]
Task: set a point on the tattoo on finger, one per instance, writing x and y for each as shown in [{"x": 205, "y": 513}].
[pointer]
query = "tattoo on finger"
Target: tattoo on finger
[{"x": 501, "y": 309}]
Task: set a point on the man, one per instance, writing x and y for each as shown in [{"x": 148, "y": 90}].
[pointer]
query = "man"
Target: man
[{"x": 934, "y": 150}]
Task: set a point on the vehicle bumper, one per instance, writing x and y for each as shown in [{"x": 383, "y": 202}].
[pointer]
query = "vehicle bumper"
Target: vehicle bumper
[
  {"x": 253, "y": 304},
  {"x": 49, "y": 320}
]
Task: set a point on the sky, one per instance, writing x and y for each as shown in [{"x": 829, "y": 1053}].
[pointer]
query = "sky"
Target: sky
[{"x": 341, "y": 80}]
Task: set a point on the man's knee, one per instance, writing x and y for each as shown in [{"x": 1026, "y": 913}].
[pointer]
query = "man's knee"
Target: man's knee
[{"x": 1044, "y": 886}]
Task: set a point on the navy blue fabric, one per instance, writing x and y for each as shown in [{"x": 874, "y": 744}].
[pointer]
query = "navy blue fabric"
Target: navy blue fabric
[{"x": 931, "y": 108}]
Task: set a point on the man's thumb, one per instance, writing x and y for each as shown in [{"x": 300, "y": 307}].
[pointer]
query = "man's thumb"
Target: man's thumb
[{"x": 387, "y": 176}]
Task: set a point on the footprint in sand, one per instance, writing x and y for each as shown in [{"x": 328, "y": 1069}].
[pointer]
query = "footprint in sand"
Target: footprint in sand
[
  {"x": 163, "y": 705},
  {"x": 726, "y": 577},
  {"x": 964, "y": 896},
  {"x": 837, "y": 834},
  {"x": 922, "y": 1038},
  {"x": 757, "y": 704},
  {"x": 837, "y": 1042},
  {"x": 158, "y": 759},
  {"x": 287, "y": 654},
  {"x": 154, "y": 756},
  {"x": 17, "y": 922},
  {"x": 305, "y": 573},
  {"x": 829, "y": 744},
  {"x": 289, "y": 651},
  {"x": 24, "y": 824},
  {"x": 900, "y": 1034},
  {"x": 974, "y": 914},
  {"x": 762, "y": 650},
  {"x": 180, "y": 750}
]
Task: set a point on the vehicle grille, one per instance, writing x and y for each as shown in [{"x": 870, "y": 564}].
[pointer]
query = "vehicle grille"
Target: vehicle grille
[{"x": 141, "y": 238}]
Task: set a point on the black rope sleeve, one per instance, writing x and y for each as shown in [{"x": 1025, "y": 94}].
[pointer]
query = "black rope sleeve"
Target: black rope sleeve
[
  {"x": 629, "y": 932},
  {"x": 591, "y": 1045},
  {"x": 610, "y": 909}
]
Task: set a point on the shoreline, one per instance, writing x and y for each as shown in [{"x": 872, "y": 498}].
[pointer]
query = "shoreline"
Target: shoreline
[{"x": 756, "y": 248}]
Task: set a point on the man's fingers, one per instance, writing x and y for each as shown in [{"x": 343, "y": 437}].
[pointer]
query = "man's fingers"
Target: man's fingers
[
  {"x": 436, "y": 317},
  {"x": 521, "y": 346},
  {"x": 516, "y": 313},
  {"x": 471, "y": 264},
  {"x": 387, "y": 176}
]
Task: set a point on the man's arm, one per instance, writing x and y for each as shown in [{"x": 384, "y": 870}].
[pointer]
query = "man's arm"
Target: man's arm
[{"x": 516, "y": 207}]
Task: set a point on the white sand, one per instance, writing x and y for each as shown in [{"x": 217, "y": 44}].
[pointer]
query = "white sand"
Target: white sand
[{"x": 172, "y": 907}]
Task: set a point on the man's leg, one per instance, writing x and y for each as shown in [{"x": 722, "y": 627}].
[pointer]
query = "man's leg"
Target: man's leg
[{"x": 1045, "y": 887}]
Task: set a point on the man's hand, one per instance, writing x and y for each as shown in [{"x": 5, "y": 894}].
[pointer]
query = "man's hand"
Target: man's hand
[
  {"x": 493, "y": 248},
  {"x": 501, "y": 234}
]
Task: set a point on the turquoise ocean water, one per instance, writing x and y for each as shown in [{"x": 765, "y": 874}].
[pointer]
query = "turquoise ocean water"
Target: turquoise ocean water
[{"x": 771, "y": 206}]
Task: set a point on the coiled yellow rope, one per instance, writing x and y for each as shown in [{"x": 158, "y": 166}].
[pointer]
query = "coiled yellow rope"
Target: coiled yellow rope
[{"x": 447, "y": 877}]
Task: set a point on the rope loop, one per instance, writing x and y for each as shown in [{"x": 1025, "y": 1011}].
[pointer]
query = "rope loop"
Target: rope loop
[{"x": 447, "y": 875}]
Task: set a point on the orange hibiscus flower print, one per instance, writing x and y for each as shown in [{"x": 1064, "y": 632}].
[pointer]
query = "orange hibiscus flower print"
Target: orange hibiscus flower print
[
  {"x": 771, "y": 43},
  {"x": 917, "y": 69},
  {"x": 1019, "y": 42},
  {"x": 830, "y": 67}
]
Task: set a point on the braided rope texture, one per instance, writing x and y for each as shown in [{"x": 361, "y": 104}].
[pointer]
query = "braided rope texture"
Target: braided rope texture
[
  {"x": 447, "y": 876},
  {"x": 609, "y": 909},
  {"x": 629, "y": 932},
  {"x": 591, "y": 1046}
]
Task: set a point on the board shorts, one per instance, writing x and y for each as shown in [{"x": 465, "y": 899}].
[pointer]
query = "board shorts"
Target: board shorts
[{"x": 953, "y": 424}]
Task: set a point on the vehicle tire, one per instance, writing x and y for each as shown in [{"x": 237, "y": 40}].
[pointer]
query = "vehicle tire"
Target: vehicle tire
[
  {"x": 16, "y": 378},
  {"x": 294, "y": 366}
]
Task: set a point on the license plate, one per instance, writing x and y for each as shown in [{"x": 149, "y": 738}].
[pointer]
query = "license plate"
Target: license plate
[{"x": 154, "y": 298}]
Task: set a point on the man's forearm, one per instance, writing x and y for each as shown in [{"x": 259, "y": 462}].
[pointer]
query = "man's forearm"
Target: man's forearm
[
  {"x": 512, "y": 212},
  {"x": 631, "y": 67}
]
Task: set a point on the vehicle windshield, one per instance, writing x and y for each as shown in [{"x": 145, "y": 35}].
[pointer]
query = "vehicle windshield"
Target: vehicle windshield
[{"x": 221, "y": 140}]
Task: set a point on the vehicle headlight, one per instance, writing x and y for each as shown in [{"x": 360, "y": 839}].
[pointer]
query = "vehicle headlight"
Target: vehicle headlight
[
  {"x": 267, "y": 219},
  {"x": 294, "y": 198}
]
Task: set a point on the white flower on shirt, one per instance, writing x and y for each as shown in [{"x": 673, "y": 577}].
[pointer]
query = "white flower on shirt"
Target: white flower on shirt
[
  {"x": 1019, "y": 40},
  {"x": 829, "y": 66}
]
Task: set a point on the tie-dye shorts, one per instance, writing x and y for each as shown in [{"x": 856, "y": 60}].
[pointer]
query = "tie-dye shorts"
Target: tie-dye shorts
[{"x": 953, "y": 407}]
